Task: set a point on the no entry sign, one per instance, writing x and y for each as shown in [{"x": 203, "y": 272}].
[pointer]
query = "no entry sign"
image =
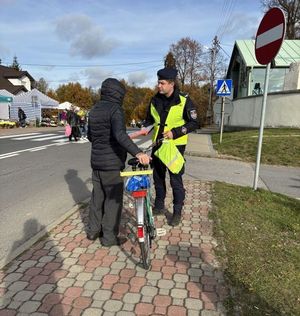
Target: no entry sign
[{"x": 269, "y": 36}]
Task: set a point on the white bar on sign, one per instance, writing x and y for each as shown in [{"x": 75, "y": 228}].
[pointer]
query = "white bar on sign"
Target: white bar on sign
[
  {"x": 269, "y": 36},
  {"x": 46, "y": 138},
  {"x": 31, "y": 137}
]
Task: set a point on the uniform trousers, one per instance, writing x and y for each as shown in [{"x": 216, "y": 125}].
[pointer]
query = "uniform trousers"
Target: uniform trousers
[
  {"x": 106, "y": 204},
  {"x": 159, "y": 177}
]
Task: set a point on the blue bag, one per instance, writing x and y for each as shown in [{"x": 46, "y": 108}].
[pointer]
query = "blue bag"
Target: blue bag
[{"x": 136, "y": 183}]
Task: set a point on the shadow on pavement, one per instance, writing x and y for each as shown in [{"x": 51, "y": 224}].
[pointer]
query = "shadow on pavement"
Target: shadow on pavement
[{"x": 30, "y": 280}]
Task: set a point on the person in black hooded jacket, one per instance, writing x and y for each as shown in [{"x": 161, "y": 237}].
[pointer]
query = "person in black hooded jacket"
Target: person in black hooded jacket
[{"x": 110, "y": 144}]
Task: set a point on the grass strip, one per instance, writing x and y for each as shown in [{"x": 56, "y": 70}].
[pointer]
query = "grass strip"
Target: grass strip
[
  {"x": 260, "y": 232},
  {"x": 281, "y": 146}
]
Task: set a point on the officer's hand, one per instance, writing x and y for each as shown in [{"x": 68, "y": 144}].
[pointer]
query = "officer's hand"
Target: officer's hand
[
  {"x": 168, "y": 135},
  {"x": 144, "y": 159}
]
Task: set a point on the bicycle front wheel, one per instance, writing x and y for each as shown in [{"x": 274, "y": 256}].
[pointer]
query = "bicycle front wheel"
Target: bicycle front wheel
[{"x": 145, "y": 245}]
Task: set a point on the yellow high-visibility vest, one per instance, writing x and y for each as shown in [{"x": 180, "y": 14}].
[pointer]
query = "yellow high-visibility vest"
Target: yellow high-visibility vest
[{"x": 174, "y": 119}]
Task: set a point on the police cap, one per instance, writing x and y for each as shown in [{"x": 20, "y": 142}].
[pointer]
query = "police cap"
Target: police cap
[{"x": 167, "y": 74}]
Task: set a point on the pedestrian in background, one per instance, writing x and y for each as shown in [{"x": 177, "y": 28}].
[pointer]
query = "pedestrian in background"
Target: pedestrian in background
[
  {"x": 22, "y": 117},
  {"x": 73, "y": 121},
  {"x": 110, "y": 144},
  {"x": 174, "y": 116}
]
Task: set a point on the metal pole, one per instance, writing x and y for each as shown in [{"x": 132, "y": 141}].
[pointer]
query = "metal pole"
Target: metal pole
[
  {"x": 261, "y": 129},
  {"x": 222, "y": 119}
]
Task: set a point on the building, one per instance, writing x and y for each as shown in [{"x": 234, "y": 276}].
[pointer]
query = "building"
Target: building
[
  {"x": 248, "y": 75},
  {"x": 15, "y": 81}
]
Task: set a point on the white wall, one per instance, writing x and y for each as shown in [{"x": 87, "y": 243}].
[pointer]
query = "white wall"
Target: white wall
[
  {"x": 23, "y": 81},
  {"x": 4, "y": 110},
  {"x": 282, "y": 110},
  {"x": 292, "y": 78}
]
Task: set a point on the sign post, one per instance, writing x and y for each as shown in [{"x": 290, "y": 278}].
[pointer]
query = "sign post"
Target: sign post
[
  {"x": 223, "y": 89},
  {"x": 269, "y": 37}
]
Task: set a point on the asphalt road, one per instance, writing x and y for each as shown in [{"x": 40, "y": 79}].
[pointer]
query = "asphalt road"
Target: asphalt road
[
  {"x": 42, "y": 176},
  {"x": 38, "y": 185}
]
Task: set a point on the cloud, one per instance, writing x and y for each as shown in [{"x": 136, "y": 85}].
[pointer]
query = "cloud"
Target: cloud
[
  {"x": 95, "y": 76},
  {"x": 137, "y": 78},
  {"x": 86, "y": 38}
]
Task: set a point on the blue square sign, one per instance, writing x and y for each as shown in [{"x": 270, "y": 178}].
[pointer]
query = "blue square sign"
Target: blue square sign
[{"x": 224, "y": 87}]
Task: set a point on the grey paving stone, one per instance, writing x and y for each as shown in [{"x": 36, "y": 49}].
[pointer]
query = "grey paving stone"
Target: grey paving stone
[
  {"x": 179, "y": 293},
  {"x": 92, "y": 312},
  {"x": 46, "y": 259},
  {"x": 123, "y": 313},
  {"x": 28, "y": 263},
  {"x": 97, "y": 304},
  {"x": 45, "y": 288},
  {"x": 12, "y": 277},
  {"x": 166, "y": 284},
  {"x": 102, "y": 295},
  {"x": 92, "y": 285},
  {"x": 195, "y": 272},
  {"x": 101, "y": 271},
  {"x": 149, "y": 290},
  {"x": 18, "y": 286},
  {"x": 30, "y": 307},
  {"x": 118, "y": 265},
  {"x": 65, "y": 282},
  {"x": 211, "y": 313},
  {"x": 154, "y": 275},
  {"x": 14, "y": 305},
  {"x": 112, "y": 306},
  {"x": 84, "y": 276},
  {"x": 180, "y": 277},
  {"x": 132, "y": 298},
  {"x": 192, "y": 303},
  {"x": 76, "y": 268},
  {"x": 128, "y": 307},
  {"x": 23, "y": 296}
]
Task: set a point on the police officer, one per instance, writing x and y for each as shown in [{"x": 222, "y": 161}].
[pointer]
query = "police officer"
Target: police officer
[{"x": 174, "y": 116}]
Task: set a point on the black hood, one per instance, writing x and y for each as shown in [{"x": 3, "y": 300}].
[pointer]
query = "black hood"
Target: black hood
[{"x": 112, "y": 90}]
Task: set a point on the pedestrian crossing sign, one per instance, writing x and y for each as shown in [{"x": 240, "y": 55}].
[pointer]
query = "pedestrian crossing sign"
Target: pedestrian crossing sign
[{"x": 224, "y": 87}]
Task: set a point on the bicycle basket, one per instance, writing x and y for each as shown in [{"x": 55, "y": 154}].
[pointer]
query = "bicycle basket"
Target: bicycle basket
[{"x": 136, "y": 183}]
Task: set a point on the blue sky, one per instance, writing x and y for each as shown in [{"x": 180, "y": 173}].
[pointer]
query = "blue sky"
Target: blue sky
[{"x": 88, "y": 41}]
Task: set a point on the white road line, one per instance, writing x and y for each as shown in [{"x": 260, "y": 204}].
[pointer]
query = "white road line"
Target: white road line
[
  {"x": 24, "y": 150},
  {"x": 32, "y": 137},
  {"x": 47, "y": 138},
  {"x": 38, "y": 148},
  {"x": 63, "y": 140},
  {"x": 135, "y": 140},
  {"x": 8, "y": 156},
  {"x": 146, "y": 144},
  {"x": 19, "y": 135}
]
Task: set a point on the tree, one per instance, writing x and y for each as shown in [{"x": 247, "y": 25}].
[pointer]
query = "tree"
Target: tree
[
  {"x": 41, "y": 85},
  {"x": 187, "y": 54},
  {"x": 15, "y": 64},
  {"x": 291, "y": 9},
  {"x": 170, "y": 61},
  {"x": 74, "y": 93}
]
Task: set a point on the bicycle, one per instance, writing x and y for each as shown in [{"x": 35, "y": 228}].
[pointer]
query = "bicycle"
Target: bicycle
[{"x": 141, "y": 192}]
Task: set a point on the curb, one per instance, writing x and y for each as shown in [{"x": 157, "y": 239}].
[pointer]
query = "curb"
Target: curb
[{"x": 25, "y": 246}]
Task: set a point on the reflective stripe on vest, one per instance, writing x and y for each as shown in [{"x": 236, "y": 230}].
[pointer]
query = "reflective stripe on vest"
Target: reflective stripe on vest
[
  {"x": 174, "y": 119},
  {"x": 170, "y": 156}
]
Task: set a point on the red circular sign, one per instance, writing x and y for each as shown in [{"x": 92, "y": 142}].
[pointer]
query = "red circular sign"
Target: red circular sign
[{"x": 269, "y": 36}]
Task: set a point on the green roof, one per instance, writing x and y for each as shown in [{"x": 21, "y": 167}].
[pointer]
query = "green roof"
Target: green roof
[{"x": 288, "y": 53}]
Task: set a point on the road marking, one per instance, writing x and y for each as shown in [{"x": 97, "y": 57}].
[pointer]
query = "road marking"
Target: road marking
[
  {"x": 19, "y": 135},
  {"x": 31, "y": 137},
  {"x": 63, "y": 140},
  {"x": 48, "y": 138},
  {"x": 38, "y": 148},
  {"x": 146, "y": 144},
  {"x": 8, "y": 156},
  {"x": 29, "y": 149}
]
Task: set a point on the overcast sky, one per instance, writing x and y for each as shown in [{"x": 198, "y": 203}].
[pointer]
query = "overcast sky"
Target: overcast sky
[{"x": 88, "y": 41}]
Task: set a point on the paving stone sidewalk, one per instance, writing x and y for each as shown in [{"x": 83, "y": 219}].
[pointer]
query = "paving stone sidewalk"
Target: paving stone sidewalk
[{"x": 66, "y": 274}]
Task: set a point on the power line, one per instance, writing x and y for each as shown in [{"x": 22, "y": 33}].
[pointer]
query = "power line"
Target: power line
[{"x": 87, "y": 66}]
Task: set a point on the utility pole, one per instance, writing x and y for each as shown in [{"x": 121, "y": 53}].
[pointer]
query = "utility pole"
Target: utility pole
[{"x": 213, "y": 52}]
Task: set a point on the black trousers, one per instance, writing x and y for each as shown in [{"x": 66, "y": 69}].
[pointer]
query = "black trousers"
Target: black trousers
[
  {"x": 159, "y": 177},
  {"x": 106, "y": 204}
]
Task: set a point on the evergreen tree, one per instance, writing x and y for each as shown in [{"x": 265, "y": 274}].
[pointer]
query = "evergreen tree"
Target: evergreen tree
[{"x": 15, "y": 64}]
